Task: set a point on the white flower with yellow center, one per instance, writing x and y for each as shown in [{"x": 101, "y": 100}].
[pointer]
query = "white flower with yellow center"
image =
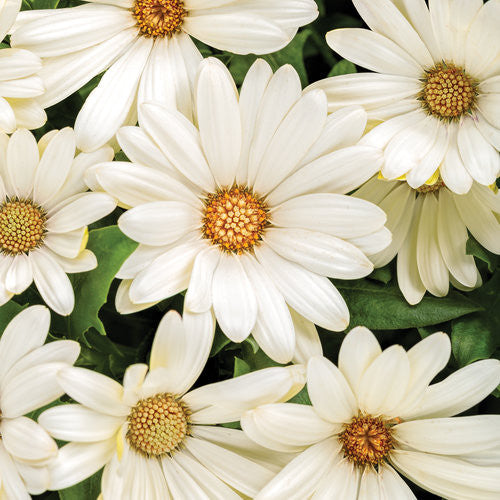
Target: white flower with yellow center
[
  {"x": 246, "y": 211},
  {"x": 146, "y": 49},
  {"x": 19, "y": 83},
  {"x": 377, "y": 412},
  {"x": 429, "y": 227},
  {"x": 44, "y": 212},
  {"x": 157, "y": 439},
  {"x": 28, "y": 381},
  {"x": 436, "y": 86}
]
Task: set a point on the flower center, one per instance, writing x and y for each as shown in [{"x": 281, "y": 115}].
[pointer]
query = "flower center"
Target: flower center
[
  {"x": 366, "y": 440},
  {"x": 448, "y": 91},
  {"x": 158, "y": 425},
  {"x": 430, "y": 188},
  {"x": 234, "y": 219},
  {"x": 159, "y": 18},
  {"x": 22, "y": 226}
]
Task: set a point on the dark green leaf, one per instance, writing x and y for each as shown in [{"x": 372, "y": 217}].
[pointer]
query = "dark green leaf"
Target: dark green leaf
[
  {"x": 89, "y": 489},
  {"x": 7, "y": 312},
  {"x": 475, "y": 249},
  {"x": 111, "y": 248},
  {"x": 342, "y": 68},
  {"x": 383, "y": 307},
  {"x": 240, "y": 367}
]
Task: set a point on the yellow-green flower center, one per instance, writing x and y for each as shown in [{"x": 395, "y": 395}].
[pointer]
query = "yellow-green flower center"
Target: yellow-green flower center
[
  {"x": 448, "y": 92},
  {"x": 22, "y": 226},
  {"x": 366, "y": 440},
  {"x": 234, "y": 219},
  {"x": 158, "y": 425},
  {"x": 159, "y": 18},
  {"x": 430, "y": 188}
]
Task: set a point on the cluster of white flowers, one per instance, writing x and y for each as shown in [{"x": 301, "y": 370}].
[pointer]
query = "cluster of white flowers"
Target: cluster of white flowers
[{"x": 248, "y": 201}]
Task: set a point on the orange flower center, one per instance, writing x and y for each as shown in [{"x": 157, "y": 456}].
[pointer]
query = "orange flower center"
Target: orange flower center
[
  {"x": 159, "y": 18},
  {"x": 22, "y": 226},
  {"x": 366, "y": 440},
  {"x": 158, "y": 425},
  {"x": 234, "y": 219},
  {"x": 448, "y": 92}
]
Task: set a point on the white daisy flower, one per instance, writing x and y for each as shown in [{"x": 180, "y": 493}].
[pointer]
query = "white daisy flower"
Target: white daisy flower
[
  {"x": 436, "y": 85},
  {"x": 429, "y": 227},
  {"x": 377, "y": 412},
  {"x": 156, "y": 438},
  {"x": 247, "y": 211},
  {"x": 28, "y": 381},
  {"x": 44, "y": 212},
  {"x": 19, "y": 82},
  {"x": 147, "y": 50}
]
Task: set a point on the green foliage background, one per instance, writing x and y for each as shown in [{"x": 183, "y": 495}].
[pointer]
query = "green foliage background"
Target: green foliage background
[{"x": 110, "y": 342}]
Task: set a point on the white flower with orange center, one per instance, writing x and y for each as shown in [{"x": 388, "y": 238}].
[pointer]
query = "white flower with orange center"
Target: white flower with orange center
[
  {"x": 248, "y": 210},
  {"x": 430, "y": 231},
  {"x": 19, "y": 83},
  {"x": 146, "y": 51},
  {"x": 44, "y": 212},
  {"x": 154, "y": 436},
  {"x": 436, "y": 87},
  {"x": 376, "y": 413},
  {"x": 28, "y": 371}
]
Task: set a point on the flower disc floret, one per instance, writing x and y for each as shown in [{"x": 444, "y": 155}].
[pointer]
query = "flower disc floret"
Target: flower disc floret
[
  {"x": 22, "y": 226},
  {"x": 158, "y": 425},
  {"x": 431, "y": 188},
  {"x": 234, "y": 219},
  {"x": 366, "y": 440},
  {"x": 159, "y": 18},
  {"x": 448, "y": 92}
]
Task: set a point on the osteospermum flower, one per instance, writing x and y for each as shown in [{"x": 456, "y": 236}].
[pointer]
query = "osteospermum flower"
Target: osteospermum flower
[
  {"x": 429, "y": 227},
  {"x": 44, "y": 212},
  {"x": 436, "y": 86},
  {"x": 147, "y": 50},
  {"x": 247, "y": 211},
  {"x": 27, "y": 382},
  {"x": 376, "y": 413},
  {"x": 19, "y": 82},
  {"x": 155, "y": 437}
]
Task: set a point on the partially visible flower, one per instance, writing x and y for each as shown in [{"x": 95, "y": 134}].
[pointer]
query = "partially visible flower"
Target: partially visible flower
[
  {"x": 44, "y": 212},
  {"x": 19, "y": 83},
  {"x": 436, "y": 87},
  {"x": 156, "y": 438},
  {"x": 27, "y": 382},
  {"x": 376, "y": 413},
  {"x": 429, "y": 233},
  {"x": 247, "y": 211},
  {"x": 146, "y": 51}
]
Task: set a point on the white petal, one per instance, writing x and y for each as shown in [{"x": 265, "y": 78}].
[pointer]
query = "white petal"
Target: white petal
[
  {"x": 12, "y": 484},
  {"x": 329, "y": 391},
  {"x": 234, "y": 301},
  {"x": 22, "y": 160},
  {"x": 384, "y": 382},
  {"x": 27, "y": 441},
  {"x": 36, "y": 479},
  {"x": 392, "y": 484},
  {"x": 67, "y": 244},
  {"x": 92, "y": 389},
  {"x": 52, "y": 282},
  {"x": 307, "y": 341},
  {"x": 219, "y": 120},
  {"x": 107, "y": 106},
  {"x": 10, "y": 9},
  {"x": 73, "y": 422},
  {"x": 286, "y": 427},
  {"x": 342, "y": 481},
  {"x": 77, "y": 461},
  {"x": 180, "y": 483},
  {"x": 322, "y": 305},
  {"x": 373, "y": 51},
  {"x": 19, "y": 275},
  {"x": 7, "y": 117}
]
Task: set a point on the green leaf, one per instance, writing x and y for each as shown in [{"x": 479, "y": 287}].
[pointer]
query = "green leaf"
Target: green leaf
[
  {"x": 7, "y": 312},
  {"x": 343, "y": 67},
  {"x": 111, "y": 247},
  {"x": 301, "y": 398},
  {"x": 475, "y": 249},
  {"x": 89, "y": 489},
  {"x": 240, "y": 367},
  {"x": 383, "y": 307}
]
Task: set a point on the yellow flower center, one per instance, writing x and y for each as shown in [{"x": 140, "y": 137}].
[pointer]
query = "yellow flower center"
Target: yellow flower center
[
  {"x": 234, "y": 219},
  {"x": 366, "y": 440},
  {"x": 158, "y": 425},
  {"x": 448, "y": 91},
  {"x": 22, "y": 226},
  {"x": 430, "y": 188},
  {"x": 159, "y": 18}
]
